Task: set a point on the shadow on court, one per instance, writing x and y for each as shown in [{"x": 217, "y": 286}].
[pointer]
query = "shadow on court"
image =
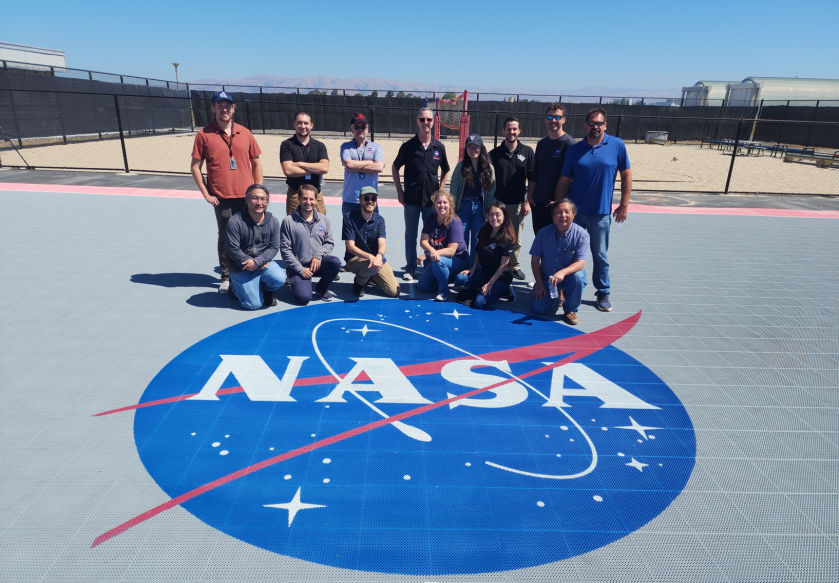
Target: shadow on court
[{"x": 176, "y": 279}]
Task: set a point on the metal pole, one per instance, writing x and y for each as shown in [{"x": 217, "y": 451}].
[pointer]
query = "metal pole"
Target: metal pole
[
  {"x": 121, "y": 137},
  {"x": 496, "y": 130},
  {"x": 618, "y": 130},
  {"x": 90, "y": 75},
  {"x": 248, "y": 111},
  {"x": 733, "y": 155},
  {"x": 372, "y": 119},
  {"x": 810, "y": 129},
  {"x": 177, "y": 80}
]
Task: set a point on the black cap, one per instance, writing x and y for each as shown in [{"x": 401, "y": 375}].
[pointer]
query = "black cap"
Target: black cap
[{"x": 359, "y": 118}]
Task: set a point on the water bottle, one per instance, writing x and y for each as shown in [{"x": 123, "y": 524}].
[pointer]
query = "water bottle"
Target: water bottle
[{"x": 553, "y": 290}]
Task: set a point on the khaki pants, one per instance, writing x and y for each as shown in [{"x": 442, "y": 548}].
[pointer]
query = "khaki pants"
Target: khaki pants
[
  {"x": 384, "y": 278},
  {"x": 518, "y": 226},
  {"x": 292, "y": 201}
]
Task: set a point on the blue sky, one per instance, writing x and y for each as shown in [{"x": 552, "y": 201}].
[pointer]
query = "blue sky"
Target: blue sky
[{"x": 532, "y": 45}]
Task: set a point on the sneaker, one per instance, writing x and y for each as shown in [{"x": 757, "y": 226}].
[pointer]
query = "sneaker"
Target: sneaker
[
  {"x": 442, "y": 296},
  {"x": 408, "y": 276},
  {"x": 224, "y": 287},
  {"x": 571, "y": 318},
  {"x": 337, "y": 278},
  {"x": 519, "y": 274},
  {"x": 602, "y": 302},
  {"x": 357, "y": 290},
  {"x": 531, "y": 284},
  {"x": 511, "y": 295},
  {"x": 268, "y": 299},
  {"x": 326, "y": 296}
]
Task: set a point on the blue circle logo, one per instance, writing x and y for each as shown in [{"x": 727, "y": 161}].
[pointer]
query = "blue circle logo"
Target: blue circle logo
[{"x": 414, "y": 437}]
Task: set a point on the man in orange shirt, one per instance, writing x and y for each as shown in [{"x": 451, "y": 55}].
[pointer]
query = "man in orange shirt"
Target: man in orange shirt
[{"x": 233, "y": 164}]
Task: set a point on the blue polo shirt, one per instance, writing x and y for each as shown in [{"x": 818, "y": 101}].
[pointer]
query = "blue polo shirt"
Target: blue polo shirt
[
  {"x": 593, "y": 170},
  {"x": 559, "y": 251},
  {"x": 365, "y": 234},
  {"x": 355, "y": 181}
]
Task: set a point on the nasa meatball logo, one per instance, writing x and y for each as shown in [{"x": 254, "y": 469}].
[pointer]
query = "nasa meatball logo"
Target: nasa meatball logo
[{"x": 414, "y": 437}]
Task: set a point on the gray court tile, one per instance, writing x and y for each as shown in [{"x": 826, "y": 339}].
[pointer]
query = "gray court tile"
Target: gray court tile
[
  {"x": 813, "y": 561},
  {"x": 794, "y": 476},
  {"x": 743, "y": 557}
]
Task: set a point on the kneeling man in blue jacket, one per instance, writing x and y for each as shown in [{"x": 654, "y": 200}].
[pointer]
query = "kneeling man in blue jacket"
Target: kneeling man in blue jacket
[{"x": 253, "y": 240}]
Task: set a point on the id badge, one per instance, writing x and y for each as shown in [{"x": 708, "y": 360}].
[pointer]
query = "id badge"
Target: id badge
[
  {"x": 308, "y": 177},
  {"x": 233, "y": 163},
  {"x": 361, "y": 175}
]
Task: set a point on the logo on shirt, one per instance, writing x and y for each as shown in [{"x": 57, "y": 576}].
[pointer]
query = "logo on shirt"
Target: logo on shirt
[
  {"x": 558, "y": 152},
  {"x": 521, "y": 157},
  {"x": 369, "y": 149},
  {"x": 320, "y": 228},
  {"x": 436, "y": 154},
  {"x": 492, "y": 245},
  {"x": 511, "y": 450}
]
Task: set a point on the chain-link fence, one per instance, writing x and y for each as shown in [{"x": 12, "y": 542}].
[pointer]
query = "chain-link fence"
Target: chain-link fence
[{"x": 668, "y": 152}]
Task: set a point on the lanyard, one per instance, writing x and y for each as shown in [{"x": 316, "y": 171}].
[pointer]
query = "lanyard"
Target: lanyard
[
  {"x": 360, "y": 152},
  {"x": 222, "y": 134}
]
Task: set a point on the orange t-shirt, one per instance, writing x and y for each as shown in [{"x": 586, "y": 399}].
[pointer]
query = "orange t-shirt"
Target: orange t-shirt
[{"x": 211, "y": 147}]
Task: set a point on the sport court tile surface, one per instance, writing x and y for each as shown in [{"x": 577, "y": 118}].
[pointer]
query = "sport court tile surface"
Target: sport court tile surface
[{"x": 739, "y": 320}]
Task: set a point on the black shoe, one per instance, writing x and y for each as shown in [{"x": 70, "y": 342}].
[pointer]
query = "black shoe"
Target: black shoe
[
  {"x": 268, "y": 299},
  {"x": 357, "y": 290},
  {"x": 519, "y": 274}
]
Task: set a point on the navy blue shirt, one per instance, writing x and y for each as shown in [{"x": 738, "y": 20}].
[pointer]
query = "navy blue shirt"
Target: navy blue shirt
[
  {"x": 593, "y": 170},
  {"x": 474, "y": 193},
  {"x": 558, "y": 251},
  {"x": 441, "y": 236},
  {"x": 365, "y": 234},
  {"x": 550, "y": 156}
]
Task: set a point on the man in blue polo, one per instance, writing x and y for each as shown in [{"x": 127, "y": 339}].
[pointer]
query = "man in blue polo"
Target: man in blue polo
[
  {"x": 588, "y": 178},
  {"x": 363, "y": 161}
]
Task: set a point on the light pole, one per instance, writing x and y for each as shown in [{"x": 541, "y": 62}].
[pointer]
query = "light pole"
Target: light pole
[{"x": 176, "y": 76}]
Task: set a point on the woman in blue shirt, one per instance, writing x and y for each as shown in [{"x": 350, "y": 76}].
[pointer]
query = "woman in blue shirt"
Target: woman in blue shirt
[
  {"x": 490, "y": 276},
  {"x": 473, "y": 188},
  {"x": 445, "y": 249}
]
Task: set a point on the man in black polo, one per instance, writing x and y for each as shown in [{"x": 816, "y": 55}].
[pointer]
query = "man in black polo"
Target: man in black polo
[
  {"x": 304, "y": 161},
  {"x": 423, "y": 157},
  {"x": 513, "y": 163},
  {"x": 550, "y": 154}
]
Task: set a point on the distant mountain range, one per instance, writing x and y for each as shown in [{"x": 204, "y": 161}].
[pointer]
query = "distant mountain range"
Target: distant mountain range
[{"x": 364, "y": 84}]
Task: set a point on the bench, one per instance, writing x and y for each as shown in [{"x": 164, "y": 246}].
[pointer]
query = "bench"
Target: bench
[{"x": 822, "y": 160}]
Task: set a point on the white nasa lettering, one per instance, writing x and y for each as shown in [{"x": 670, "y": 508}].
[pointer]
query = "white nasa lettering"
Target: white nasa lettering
[
  {"x": 460, "y": 372},
  {"x": 595, "y": 385},
  {"x": 388, "y": 381},
  {"x": 258, "y": 381}
]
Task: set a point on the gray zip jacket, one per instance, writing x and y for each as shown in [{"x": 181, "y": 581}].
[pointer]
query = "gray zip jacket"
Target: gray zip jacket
[
  {"x": 249, "y": 240},
  {"x": 300, "y": 241}
]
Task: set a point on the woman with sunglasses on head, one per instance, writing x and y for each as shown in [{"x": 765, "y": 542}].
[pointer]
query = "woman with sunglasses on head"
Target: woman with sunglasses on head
[
  {"x": 444, "y": 246},
  {"x": 473, "y": 188},
  {"x": 490, "y": 276}
]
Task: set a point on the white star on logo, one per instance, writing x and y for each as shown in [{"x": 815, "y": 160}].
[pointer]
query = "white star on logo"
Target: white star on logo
[
  {"x": 639, "y": 428},
  {"x": 364, "y": 330},
  {"x": 456, "y": 314},
  {"x": 637, "y": 465},
  {"x": 294, "y": 506}
]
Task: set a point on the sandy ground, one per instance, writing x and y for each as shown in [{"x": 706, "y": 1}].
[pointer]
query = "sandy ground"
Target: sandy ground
[{"x": 671, "y": 168}]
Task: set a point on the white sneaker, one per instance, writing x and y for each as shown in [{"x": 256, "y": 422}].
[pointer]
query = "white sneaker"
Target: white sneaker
[
  {"x": 442, "y": 296},
  {"x": 224, "y": 287},
  {"x": 408, "y": 276},
  {"x": 531, "y": 284}
]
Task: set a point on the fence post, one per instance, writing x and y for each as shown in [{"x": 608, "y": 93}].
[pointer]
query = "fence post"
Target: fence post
[
  {"x": 601, "y": 100},
  {"x": 121, "y": 80},
  {"x": 810, "y": 129},
  {"x": 372, "y": 125},
  {"x": 618, "y": 130},
  {"x": 733, "y": 155},
  {"x": 642, "y": 101},
  {"x": 495, "y": 132},
  {"x": 90, "y": 75},
  {"x": 121, "y": 137},
  {"x": 248, "y": 111}
]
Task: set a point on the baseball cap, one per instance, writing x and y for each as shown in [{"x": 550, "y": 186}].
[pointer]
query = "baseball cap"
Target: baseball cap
[
  {"x": 358, "y": 118},
  {"x": 368, "y": 190},
  {"x": 474, "y": 139},
  {"x": 219, "y": 95}
]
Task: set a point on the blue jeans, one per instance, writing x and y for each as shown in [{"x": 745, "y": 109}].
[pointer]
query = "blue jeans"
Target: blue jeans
[
  {"x": 247, "y": 285},
  {"x": 573, "y": 286},
  {"x": 412, "y": 220},
  {"x": 471, "y": 214},
  {"x": 478, "y": 279},
  {"x": 440, "y": 273},
  {"x": 598, "y": 231},
  {"x": 346, "y": 207}
]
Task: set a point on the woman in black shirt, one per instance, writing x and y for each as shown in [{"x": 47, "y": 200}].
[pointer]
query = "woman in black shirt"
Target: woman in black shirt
[{"x": 489, "y": 278}]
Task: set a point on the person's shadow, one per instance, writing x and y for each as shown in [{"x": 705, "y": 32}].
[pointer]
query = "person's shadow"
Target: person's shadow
[{"x": 176, "y": 279}]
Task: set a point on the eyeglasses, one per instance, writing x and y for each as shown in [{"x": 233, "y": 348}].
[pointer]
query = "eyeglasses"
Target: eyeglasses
[
  {"x": 259, "y": 199},
  {"x": 599, "y": 124},
  {"x": 360, "y": 127},
  {"x": 370, "y": 198},
  {"x": 554, "y": 117},
  {"x": 425, "y": 119}
]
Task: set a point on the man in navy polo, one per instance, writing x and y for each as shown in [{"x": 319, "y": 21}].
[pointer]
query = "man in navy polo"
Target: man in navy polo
[
  {"x": 588, "y": 179},
  {"x": 362, "y": 160}
]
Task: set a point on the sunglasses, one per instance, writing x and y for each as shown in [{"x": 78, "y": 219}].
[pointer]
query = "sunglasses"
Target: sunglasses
[
  {"x": 359, "y": 127},
  {"x": 599, "y": 124},
  {"x": 370, "y": 198},
  {"x": 425, "y": 119},
  {"x": 554, "y": 117}
]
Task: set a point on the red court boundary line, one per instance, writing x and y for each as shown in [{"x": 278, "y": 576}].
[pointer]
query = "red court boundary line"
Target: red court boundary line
[
  {"x": 593, "y": 342},
  {"x": 334, "y": 200}
]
